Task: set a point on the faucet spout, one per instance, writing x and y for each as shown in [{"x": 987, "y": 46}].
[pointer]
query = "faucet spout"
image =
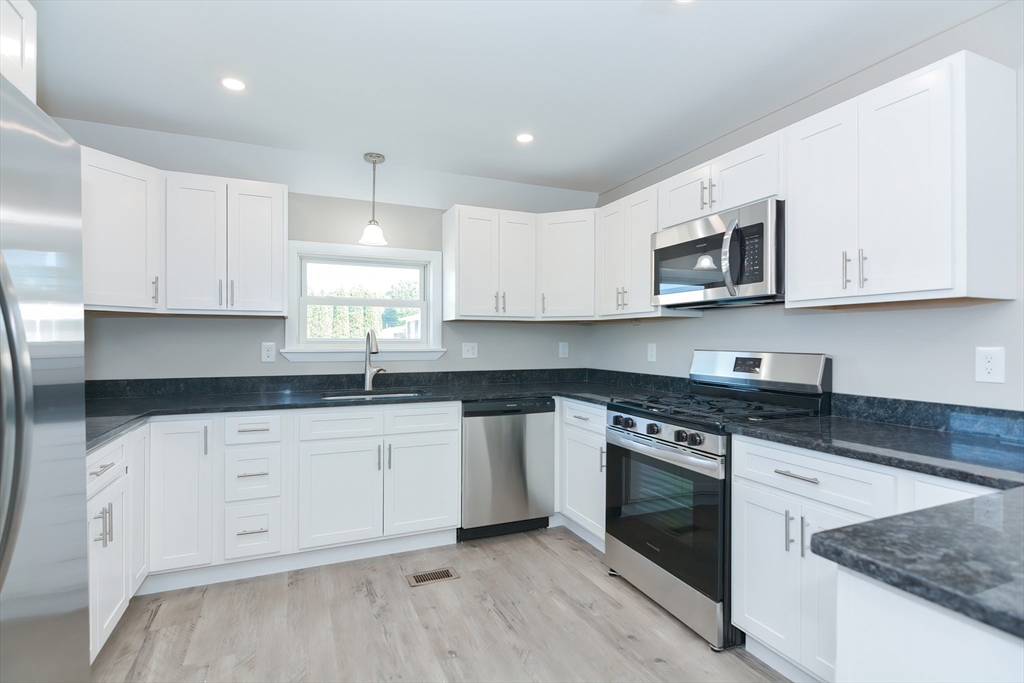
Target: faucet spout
[{"x": 369, "y": 371}]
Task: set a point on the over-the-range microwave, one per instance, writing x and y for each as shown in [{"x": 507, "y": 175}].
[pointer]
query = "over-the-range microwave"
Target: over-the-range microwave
[{"x": 732, "y": 258}]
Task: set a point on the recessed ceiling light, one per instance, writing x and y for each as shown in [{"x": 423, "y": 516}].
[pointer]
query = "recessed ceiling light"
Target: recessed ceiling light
[
  {"x": 233, "y": 84},
  {"x": 684, "y": 2},
  {"x": 524, "y": 137}
]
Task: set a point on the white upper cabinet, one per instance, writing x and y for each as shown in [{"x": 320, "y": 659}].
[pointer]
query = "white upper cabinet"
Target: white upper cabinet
[
  {"x": 624, "y": 230},
  {"x": 18, "y": 45},
  {"x": 566, "y": 264},
  {"x": 517, "y": 264},
  {"x": 611, "y": 258},
  {"x": 908, "y": 191},
  {"x": 256, "y": 246},
  {"x": 683, "y": 197},
  {"x": 122, "y": 232}
]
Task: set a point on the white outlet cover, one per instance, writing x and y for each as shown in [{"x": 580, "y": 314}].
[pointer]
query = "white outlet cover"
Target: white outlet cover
[
  {"x": 268, "y": 352},
  {"x": 469, "y": 350},
  {"x": 652, "y": 352},
  {"x": 563, "y": 349},
  {"x": 990, "y": 364}
]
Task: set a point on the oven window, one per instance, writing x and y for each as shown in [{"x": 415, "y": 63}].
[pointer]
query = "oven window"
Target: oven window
[{"x": 670, "y": 515}]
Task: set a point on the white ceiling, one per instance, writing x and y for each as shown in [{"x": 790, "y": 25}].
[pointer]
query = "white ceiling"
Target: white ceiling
[{"x": 609, "y": 89}]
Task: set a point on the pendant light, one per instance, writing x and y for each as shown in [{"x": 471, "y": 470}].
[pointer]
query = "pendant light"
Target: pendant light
[{"x": 373, "y": 236}]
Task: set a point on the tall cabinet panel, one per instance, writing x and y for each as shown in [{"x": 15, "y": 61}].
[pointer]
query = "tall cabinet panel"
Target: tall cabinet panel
[
  {"x": 122, "y": 232},
  {"x": 517, "y": 263},
  {"x": 641, "y": 222},
  {"x": 196, "y": 242},
  {"x": 256, "y": 246},
  {"x": 566, "y": 263},
  {"x": 138, "y": 455}
]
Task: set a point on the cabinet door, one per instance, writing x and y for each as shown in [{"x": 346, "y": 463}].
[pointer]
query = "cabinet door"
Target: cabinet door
[
  {"x": 641, "y": 223},
  {"x": 18, "y": 36},
  {"x": 818, "y": 591},
  {"x": 567, "y": 264},
  {"x": 196, "y": 242},
  {"x": 138, "y": 454},
  {"x": 517, "y": 264},
  {"x": 611, "y": 258},
  {"x": 109, "y": 583},
  {"x": 341, "y": 489},
  {"x": 745, "y": 175},
  {"x": 906, "y": 199},
  {"x": 422, "y": 482},
  {"x": 583, "y": 455},
  {"x": 821, "y": 214},
  {"x": 122, "y": 231},
  {"x": 766, "y": 568},
  {"x": 478, "y": 262},
  {"x": 683, "y": 197},
  {"x": 181, "y": 504},
  {"x": 256, "y": 239}
]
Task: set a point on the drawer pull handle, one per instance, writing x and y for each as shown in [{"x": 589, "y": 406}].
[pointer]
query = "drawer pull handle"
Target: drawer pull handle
[
  {"x": 103, "y": 468},
  {"x": 580, "y": 417},
  {"x": 250, "y": 533},
  {"x": 253, "y": 429},
  {"x": 787, "y": 473},
  {"x": 254, "y": 474}
]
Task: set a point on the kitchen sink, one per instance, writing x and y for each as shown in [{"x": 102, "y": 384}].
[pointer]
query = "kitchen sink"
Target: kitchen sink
[{"x": 357, "y": 398}]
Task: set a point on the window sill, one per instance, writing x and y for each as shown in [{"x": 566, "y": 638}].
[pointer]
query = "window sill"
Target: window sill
[{"x": 315, "y": 355}]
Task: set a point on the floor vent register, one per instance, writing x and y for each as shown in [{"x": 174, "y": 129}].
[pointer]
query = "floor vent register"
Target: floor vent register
[{"x": 433, "y": 576}]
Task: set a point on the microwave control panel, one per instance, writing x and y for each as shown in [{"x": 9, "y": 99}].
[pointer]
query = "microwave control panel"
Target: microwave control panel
[{"x": 753, "y": 254}]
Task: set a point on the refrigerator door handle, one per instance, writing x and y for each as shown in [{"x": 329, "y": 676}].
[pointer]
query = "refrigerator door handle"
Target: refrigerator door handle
[{"x": 17, "y": 370}]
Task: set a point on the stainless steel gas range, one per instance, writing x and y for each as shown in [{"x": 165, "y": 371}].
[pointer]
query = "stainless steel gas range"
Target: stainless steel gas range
[{"x": 667, "y": 510}]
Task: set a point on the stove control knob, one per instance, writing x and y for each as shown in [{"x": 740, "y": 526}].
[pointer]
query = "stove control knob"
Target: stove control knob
[
  {"x": 628, "y": 422},
  {"x": 695, "y": 439},
  {"x": 681, "y": 436},
  {"x": 652, "y": 428},
  {"x": 617, "y": 420}
]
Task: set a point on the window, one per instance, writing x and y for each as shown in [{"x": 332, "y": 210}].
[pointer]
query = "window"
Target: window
[{"x": 341, "y": 291}]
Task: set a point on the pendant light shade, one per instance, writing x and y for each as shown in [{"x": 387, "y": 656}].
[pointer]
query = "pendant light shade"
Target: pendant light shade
[
  {"x": 373, "y": 236},
  {"x": 705, "y": 262}
]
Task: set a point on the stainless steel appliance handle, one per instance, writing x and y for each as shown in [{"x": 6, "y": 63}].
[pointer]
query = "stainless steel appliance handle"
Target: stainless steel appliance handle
[
  {"x": 253, "y": 474},
  {"x": 17, "y": 436},
  {"x": 671, "y": 454},
  {"x": 156, "y": 289},
  {"x": 787, "y": 473},
  {"x": 846, "y": 280},
  {"x": 726, "y": 243},
  {"x": 788, "y": 539}
]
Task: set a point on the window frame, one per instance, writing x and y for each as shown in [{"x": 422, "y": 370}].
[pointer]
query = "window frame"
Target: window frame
[{"x": 299, "y": 349}]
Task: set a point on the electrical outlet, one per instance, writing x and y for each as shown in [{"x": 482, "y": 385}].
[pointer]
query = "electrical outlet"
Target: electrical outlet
[
  {"x": 563, "y": 349},
  {"x": 469, "y": 350},
  {"x": 652, "y": 352},
  {"x": 268, "y": 352},
  {"x": 990, "y": 364}
]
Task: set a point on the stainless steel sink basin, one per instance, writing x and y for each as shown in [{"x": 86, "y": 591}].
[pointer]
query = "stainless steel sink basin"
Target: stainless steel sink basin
[{"x": 355, "y": 398}]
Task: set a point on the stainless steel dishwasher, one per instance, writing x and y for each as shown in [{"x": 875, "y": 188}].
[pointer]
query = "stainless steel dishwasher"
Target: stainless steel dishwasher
[{"x": 508, "y": 466}]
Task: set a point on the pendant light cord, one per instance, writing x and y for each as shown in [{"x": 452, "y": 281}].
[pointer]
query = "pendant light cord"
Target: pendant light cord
[{"x": 373, "y": 203}]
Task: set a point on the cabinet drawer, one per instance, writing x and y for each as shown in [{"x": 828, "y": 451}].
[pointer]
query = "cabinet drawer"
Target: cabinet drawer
[
  {"x": 340, "y": 424},
  {"x": 252, "y": 429},
  {"x": 104, "y": 465},
  {"x": 253, "y": 529},
  {"x": 252, "y": 472},
  {"x": 865, "y": 491},
  {"x": 583, "y": 415},
  {"x": 437, "y": 417}
]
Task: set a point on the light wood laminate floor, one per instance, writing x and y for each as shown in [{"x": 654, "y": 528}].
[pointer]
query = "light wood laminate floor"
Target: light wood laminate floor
[{"x": 537, "y": 606}]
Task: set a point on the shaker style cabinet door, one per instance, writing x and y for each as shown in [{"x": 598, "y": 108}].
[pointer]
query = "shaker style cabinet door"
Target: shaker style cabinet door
[
  {"x": 422, "y": 482},
  {"x": 683, "y": 197},
  {"x": 584, "y": 462},
  {"x": 821, "y": 214},
  {"x": 109, "y": 582},
  {"x": 478, "y": 262},
  {"x": 517, "y": 264},
  {"x": 566, "y": 257},
  {"x": 196, "y": 242},
  {"x": 138, "y": 458},
  {"x": 122, "y": 231},
  {"x": 256, "y": 246},
  {"x": 745, "y": 175},
  {"x": 641, "y": 222},
  {"x": 906, "y": 185},
  {"x": 341, "y": 489},
  {"x": 611, "y": 258}
]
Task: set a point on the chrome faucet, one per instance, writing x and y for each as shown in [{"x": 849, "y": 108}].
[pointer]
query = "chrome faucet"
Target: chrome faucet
[{"x": 369, "y": 371}]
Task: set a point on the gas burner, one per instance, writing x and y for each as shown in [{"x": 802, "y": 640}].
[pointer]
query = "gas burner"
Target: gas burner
[{"x": 715, "y": 409}]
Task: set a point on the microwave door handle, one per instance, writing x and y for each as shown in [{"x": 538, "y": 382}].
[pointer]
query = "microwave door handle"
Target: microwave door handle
[{"x": 726, "y": 242}]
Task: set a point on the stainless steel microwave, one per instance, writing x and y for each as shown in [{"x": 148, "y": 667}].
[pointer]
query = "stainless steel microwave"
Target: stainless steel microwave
[{"x": 734, "y": 257}]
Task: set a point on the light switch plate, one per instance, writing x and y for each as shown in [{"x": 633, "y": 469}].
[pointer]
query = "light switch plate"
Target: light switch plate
[
  {"x": 563, "y": 349},
  {"x": 469, "y": 350},
  {"x": 268, "y": 352},
  {"x": 990, "y": 364},
  {"x": 652, "y": 352}
]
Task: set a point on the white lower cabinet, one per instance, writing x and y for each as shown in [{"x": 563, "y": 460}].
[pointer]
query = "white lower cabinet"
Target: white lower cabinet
[
  {"x": 341, "y": 491},
  {"x": 252, "y": 529},
  {"x": 422, "y": 482},
  {"x": 583, "y": 478},
  {"x": 138, "y": 468},
  {"x": 109, "y": 567}
]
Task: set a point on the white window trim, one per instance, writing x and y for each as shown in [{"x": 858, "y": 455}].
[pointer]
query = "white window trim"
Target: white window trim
[{"x": 428, "y": 349}]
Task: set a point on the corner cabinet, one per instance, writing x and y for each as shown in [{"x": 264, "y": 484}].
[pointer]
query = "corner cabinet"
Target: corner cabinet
[{"x": 908, "y": 191}]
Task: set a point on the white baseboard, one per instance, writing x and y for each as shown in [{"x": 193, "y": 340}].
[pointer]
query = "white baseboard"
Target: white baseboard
[
  {"x": 779, "y": 662},
  {"x": 201, "y": 576},
  {"x": 558, "y": 519}
]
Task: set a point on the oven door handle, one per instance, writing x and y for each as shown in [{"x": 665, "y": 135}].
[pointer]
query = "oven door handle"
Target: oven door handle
[
  {"x": 674, "y": 456},
  {"x": 726, "y": 243}
]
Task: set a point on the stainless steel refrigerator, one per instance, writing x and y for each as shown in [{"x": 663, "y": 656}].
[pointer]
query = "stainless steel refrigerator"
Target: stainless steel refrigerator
[{"x": 44, "y": 577}]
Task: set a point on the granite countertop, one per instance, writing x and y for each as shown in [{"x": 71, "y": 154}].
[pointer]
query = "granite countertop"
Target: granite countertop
[
  {"x": 107, "y": 418},
  {"x": 977, "y": 459},
  {"x": 967, "y": 556}
]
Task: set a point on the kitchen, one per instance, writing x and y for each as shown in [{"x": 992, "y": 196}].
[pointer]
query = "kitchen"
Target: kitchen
[{"x": 489, "y": 378}]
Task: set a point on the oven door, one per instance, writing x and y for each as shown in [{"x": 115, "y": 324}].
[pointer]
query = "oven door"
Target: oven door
[
  {"x": 668, "y": 504},
  {"x": 723, "y": 257}
]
